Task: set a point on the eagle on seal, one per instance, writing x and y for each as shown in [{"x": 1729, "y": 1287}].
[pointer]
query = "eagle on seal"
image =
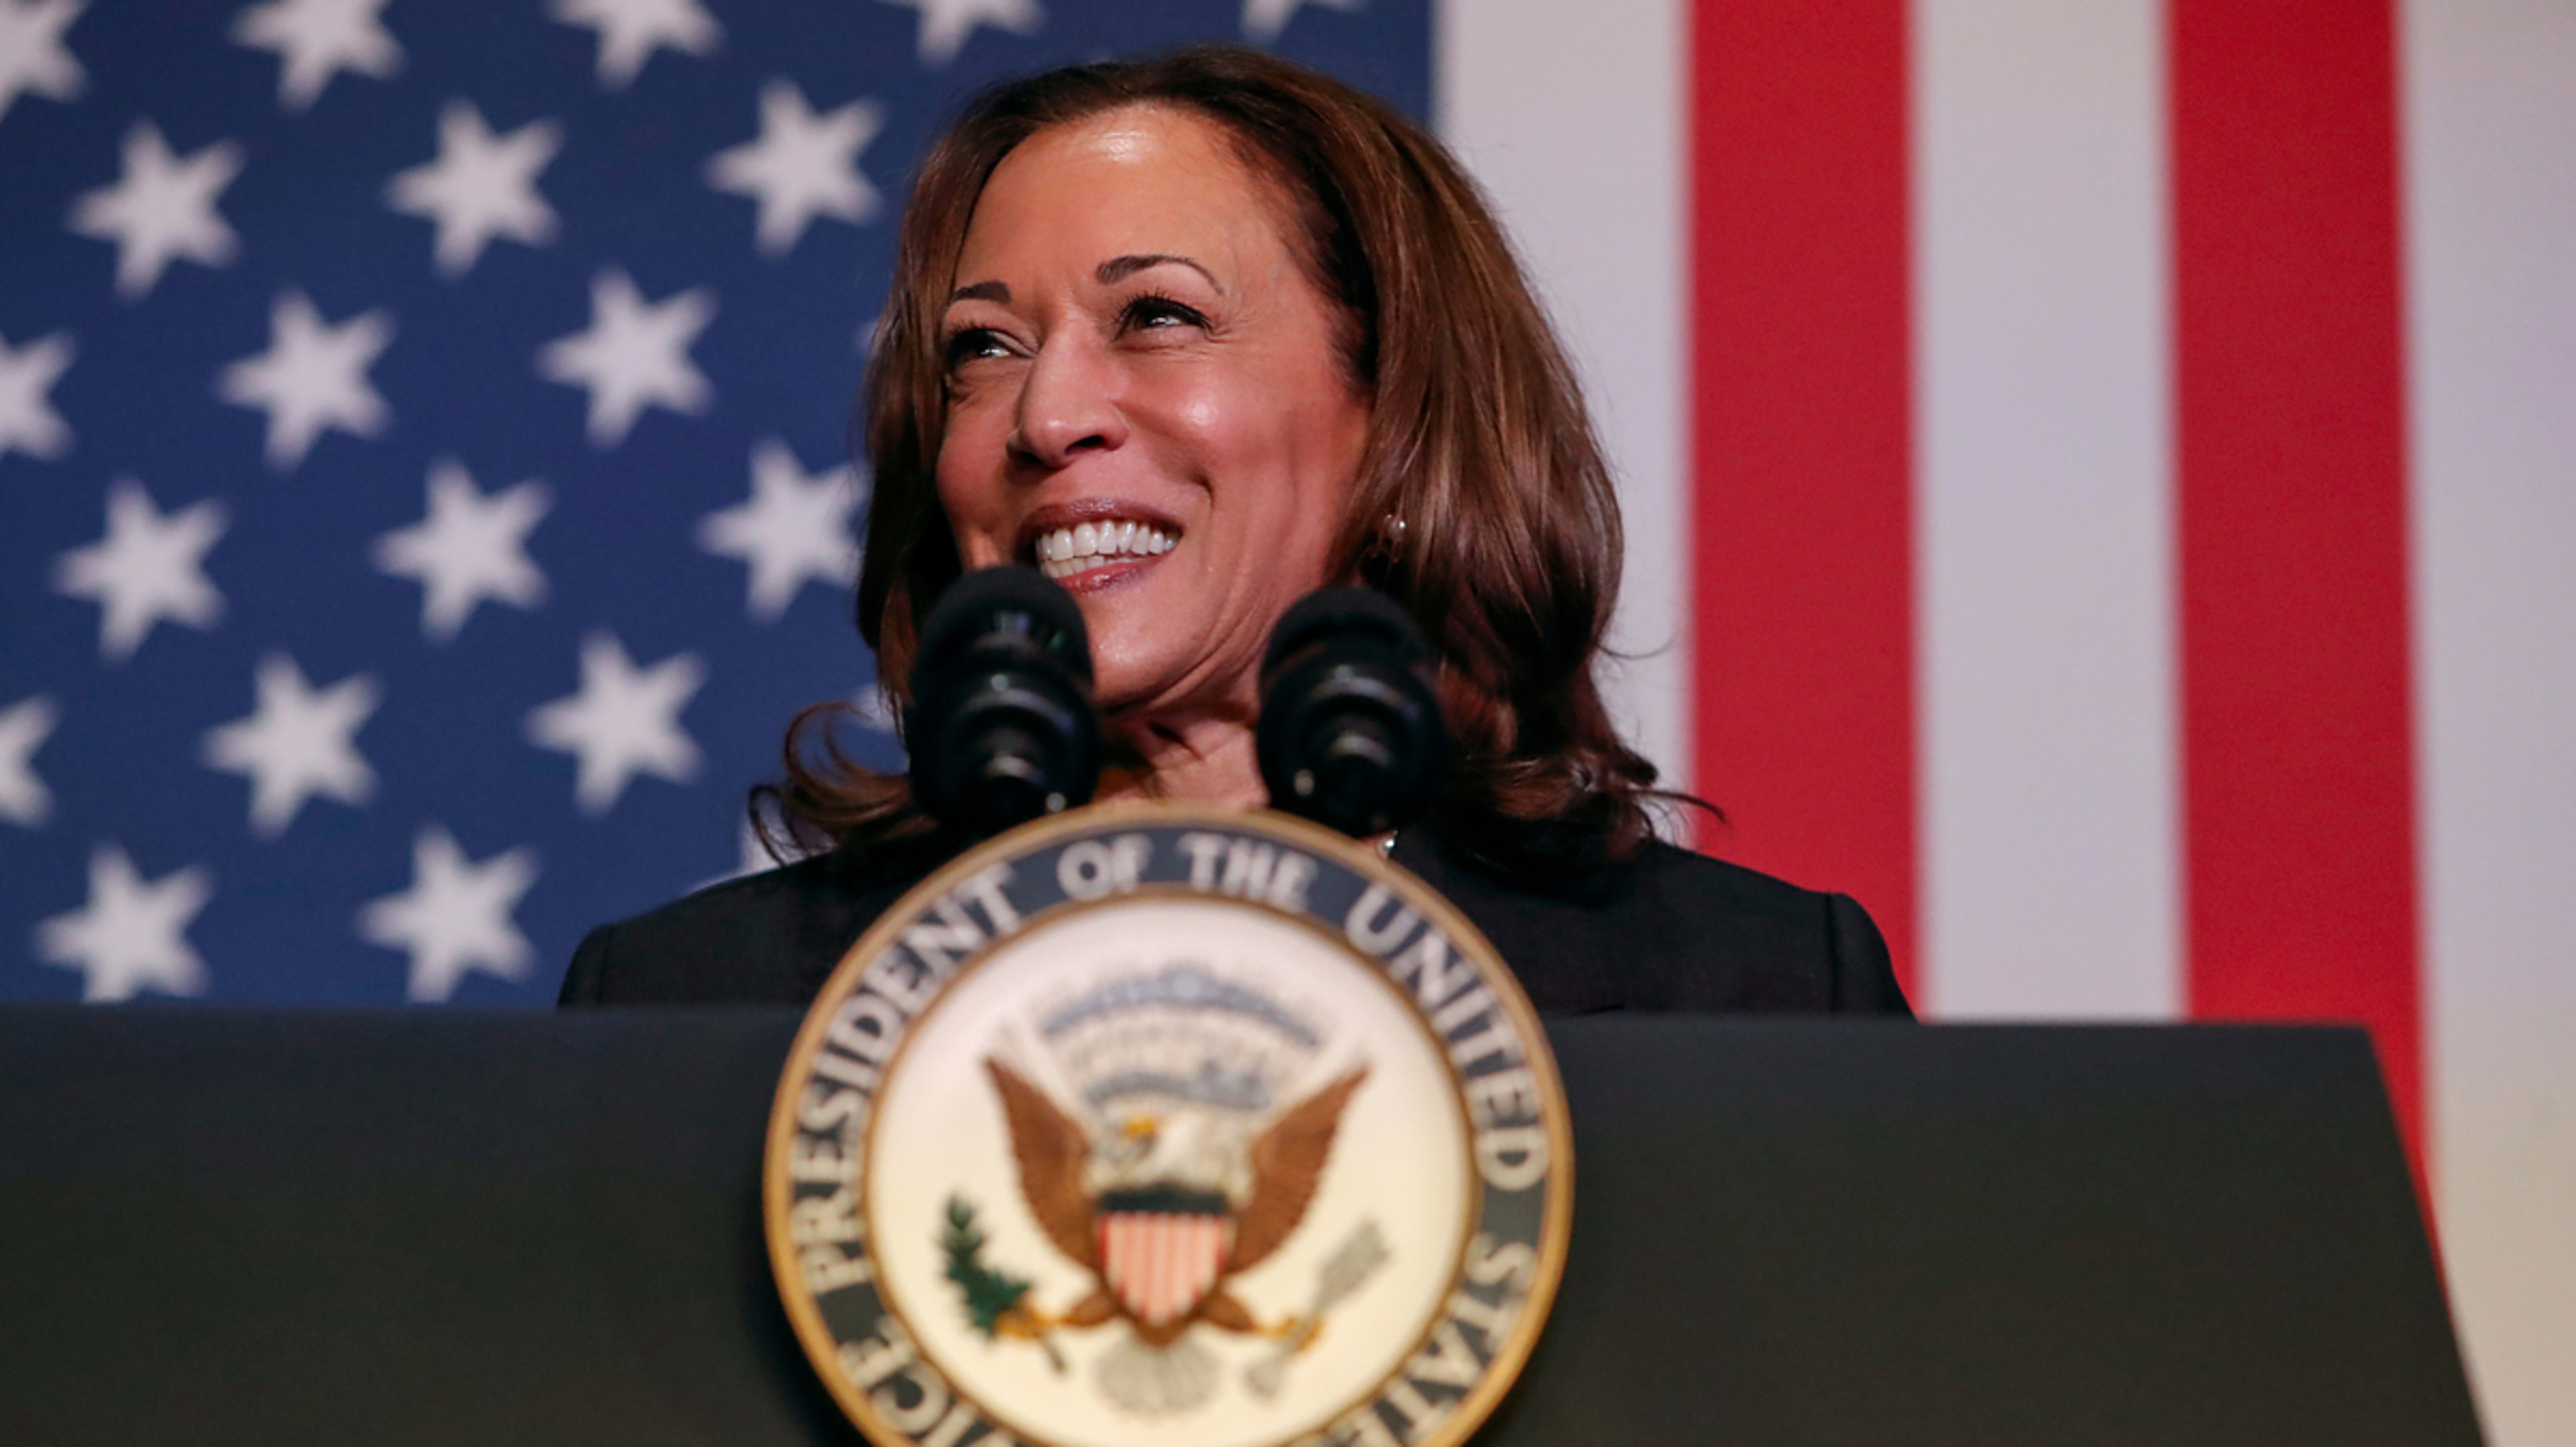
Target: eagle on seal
[{"x": 1162, "y": 1211}]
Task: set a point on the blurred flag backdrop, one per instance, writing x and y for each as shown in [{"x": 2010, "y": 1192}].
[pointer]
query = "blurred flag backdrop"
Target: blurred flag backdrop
[
  {"x": 2101, "y": 478},
  {"x": 422, "y": 440}
]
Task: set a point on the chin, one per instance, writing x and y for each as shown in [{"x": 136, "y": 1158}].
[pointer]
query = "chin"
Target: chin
[
  {"x": 1136, "y": 675},
  {"x": 1122, "y": 683},
  {"x": 1157, "y": 642}
]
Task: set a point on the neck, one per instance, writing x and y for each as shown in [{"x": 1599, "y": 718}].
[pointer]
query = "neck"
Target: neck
[{"x": 1185, "y": 756}]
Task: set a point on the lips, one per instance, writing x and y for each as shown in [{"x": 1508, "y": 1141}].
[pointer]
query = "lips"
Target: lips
[
  {"x": 1067, "y": 540},
  {"x": 1085, "y": 546}
]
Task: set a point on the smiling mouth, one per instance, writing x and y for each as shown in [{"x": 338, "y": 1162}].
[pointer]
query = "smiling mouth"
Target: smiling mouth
[{"x": 1069, "y": 552}]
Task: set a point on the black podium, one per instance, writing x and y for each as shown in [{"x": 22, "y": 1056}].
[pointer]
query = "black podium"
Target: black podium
[{"x": 281, "y": 1228}]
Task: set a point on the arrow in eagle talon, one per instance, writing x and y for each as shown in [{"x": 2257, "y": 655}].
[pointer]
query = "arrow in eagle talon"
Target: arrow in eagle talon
[{"x": 1343, "y": 1273}]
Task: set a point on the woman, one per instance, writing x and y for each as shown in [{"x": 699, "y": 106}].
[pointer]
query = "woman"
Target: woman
[{"x": 1196, "y": 336}]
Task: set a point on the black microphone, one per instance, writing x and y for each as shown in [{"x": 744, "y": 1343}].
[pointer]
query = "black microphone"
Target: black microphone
[
  {"x": 1001, "y": 729},
  {"x": 1350, "y": 732}
]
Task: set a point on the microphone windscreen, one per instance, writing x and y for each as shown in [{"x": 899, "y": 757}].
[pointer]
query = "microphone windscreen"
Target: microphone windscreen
[
  {"x": 1343, "y": 612},
  {"x": 1008, "y": 600}
]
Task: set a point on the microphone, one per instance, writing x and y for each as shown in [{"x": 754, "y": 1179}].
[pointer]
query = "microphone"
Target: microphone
[
  {"x": 1350, "y": 732},
  {"x": 1001, "y": 728}
]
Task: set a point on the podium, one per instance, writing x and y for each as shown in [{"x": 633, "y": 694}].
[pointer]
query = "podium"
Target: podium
[{"x": 277, "y": 1228}]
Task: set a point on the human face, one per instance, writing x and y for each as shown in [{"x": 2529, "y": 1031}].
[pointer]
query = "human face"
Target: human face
[{"x": 1134, "y": 354}]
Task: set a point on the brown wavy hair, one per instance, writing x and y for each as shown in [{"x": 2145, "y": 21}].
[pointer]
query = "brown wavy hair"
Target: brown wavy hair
[{"x": 1509, "y": 546}]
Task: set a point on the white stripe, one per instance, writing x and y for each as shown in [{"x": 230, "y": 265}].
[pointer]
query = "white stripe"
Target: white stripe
[
  {"x": 1170, "y": 1241},
  {"x": 1571, "y": 114},
  {"x": 2490, "y": 186},
  {"x": 1159, "y": 1233},
  {"x": 2044, "y": 592}
]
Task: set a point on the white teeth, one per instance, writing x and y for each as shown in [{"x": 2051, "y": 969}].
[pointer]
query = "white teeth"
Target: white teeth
[{"x": 1084, "y": 546}]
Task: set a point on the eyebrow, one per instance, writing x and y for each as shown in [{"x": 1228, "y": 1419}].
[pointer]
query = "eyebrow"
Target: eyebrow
[
  {"x": 1119, "y": 268},
  {"x": 1116, "y": 269}
]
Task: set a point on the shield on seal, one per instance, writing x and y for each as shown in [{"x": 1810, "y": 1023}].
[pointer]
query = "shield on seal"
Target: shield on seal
[{"x": 1161, "y": 1262}]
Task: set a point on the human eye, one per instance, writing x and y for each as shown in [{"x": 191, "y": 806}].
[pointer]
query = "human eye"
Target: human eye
[
  {"x": 972, "y": 344},
  {"x": 1153, "y": 311}
]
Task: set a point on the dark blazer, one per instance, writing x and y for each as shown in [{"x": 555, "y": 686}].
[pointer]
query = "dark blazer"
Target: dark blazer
[{"x": 1667, "y": 931}]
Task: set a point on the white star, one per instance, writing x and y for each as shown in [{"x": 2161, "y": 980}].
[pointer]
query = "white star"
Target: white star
[
  {"x": 24, "y": 799},
  {"x": 456, "y": 915},
  {"x": 132, "y": 936},
  {"x": 316, "y": 40},
  {"x": 630, "y": 29},
  {"x": 793, "y": 529},
  {"x": 945, "y": 24},
  {"x": 1264, "y": 19},
  {"x": 298, "y": 742},
  {"x": 634, "y": 355},
  {"x": 481, "y": 186},
  {"x": 32, "y": 58},
  {"x": 28, "y": 420},
  {"x": 625, "y": 721},
  {"x": 150, "y": 566},
  {"x": 468, "y": 548},
  {"x": 313, "y": 375},
  {"x": 161, "y": 209},
  {"x": 803, "y": 165}
]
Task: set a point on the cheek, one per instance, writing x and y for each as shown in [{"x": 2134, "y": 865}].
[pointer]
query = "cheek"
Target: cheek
[
  {"x": 1267, "y": 455},
  {"x": 1203, "y": 413},
  {"x": 968, "y": 477},
  {"x": 1321, "y": 450}
]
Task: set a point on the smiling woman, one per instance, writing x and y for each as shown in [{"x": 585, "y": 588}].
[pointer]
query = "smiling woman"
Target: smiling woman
[
  {"x": 1144, "y": 396},
  {"x": 1269, "y": 319},
  {"x": 1195, "y": 336}
]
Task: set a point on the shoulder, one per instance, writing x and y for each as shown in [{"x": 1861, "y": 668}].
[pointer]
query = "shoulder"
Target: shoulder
[
  {"x": 1676, "y": 931},
  {"x": 765, "y": 939},
  {"x": 1766, "y": 920}
]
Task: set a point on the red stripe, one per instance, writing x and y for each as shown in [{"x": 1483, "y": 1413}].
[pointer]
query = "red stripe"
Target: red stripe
[
  {"x": 1164, "y": 1233},
  {"x": 2297, "y": 743},
  {"x": 1803, "y": 635},
  {"x": 1149, "y": 1264}
]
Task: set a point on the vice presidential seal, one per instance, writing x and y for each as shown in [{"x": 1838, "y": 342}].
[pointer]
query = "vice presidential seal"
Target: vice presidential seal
[{"x": 1144, "y": 1126}]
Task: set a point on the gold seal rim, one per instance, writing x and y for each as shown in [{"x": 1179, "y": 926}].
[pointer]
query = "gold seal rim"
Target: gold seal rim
[{"x": 1502, "y": 1369}]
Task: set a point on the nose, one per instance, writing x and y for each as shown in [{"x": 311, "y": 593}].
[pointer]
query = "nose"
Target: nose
[{"x": 1068, "y": 404}]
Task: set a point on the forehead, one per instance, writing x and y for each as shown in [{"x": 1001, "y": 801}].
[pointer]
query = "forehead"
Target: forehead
[{"x": 1139, "y": 180}]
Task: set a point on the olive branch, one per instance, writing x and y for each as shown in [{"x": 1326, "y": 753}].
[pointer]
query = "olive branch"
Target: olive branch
[{"x": 996, "y": 1301}]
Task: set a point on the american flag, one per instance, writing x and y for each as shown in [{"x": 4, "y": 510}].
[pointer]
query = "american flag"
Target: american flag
[
  {"x": 2101, "y": 478},
  {"x": 422, "y": 444}
]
